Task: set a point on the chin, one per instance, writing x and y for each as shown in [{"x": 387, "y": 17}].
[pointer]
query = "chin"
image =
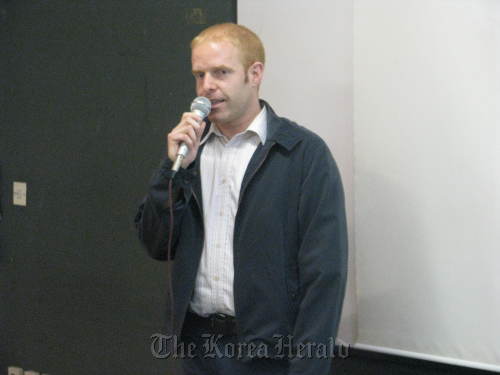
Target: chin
[
  {"x": 212, "y": 118},
  {"x": 216, "y": 117}
]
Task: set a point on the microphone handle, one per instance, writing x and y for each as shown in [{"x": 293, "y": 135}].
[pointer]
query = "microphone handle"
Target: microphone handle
[{"x": 183, "y": 148}]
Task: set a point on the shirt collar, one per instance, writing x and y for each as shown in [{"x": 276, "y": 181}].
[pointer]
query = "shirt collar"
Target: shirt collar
[
  {"x": 212, "y": 130},
  {"x": 257, "y": 126}
]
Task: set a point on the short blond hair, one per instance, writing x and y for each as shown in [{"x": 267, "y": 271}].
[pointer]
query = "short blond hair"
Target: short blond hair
[{"x": 244, "y": 39}]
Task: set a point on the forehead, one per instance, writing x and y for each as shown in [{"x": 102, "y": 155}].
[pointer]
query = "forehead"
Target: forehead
[{"x": 211, "y": 54}]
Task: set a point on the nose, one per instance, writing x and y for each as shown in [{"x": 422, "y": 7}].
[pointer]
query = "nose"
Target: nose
[{"x": 208, "y": 83}]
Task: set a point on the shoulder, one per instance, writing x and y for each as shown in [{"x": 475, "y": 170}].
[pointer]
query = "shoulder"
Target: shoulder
[
  {"x": 291, "y": 135},
  {"x": 305, "y": 135}
]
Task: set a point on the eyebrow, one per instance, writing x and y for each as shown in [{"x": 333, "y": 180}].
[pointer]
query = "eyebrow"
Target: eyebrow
[{"x": 219, "y": 67}]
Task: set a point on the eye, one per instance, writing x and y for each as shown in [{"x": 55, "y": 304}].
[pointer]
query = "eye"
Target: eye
[
  {"x": 199, "y": 75},
  {"x": 219, "y": 73}
]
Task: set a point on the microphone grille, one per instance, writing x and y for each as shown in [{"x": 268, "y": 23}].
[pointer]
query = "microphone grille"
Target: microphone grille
[{"x": 201, "y": 104}]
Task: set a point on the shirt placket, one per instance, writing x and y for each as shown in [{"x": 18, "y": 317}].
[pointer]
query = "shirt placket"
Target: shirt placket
[
  {"x": 227, "y": 214},
  {"x": 220, "y": 220}
]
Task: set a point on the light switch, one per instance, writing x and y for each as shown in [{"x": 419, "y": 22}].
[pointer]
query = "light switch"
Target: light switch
[
  {"x": 20, "y": 189},
  {"x": 15, "y": 370}
]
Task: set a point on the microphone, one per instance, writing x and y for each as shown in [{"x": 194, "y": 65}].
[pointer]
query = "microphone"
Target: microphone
[{"x": 201, "y": 106}]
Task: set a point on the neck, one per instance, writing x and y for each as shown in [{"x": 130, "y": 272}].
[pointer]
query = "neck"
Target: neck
[{"x": 231, "y": 129}]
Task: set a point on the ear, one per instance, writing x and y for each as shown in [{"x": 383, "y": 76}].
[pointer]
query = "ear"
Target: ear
[{"x": 255, "y": 73}]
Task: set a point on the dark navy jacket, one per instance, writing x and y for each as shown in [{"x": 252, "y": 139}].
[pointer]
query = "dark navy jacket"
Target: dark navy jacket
[{"x": 290, "y": 241}]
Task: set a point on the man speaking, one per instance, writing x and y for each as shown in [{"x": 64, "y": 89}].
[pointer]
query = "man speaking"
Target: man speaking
[{"x": 254, "y": 220}]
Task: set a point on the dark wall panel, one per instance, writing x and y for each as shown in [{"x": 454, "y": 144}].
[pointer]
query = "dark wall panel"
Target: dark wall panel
[{"x": 88, "y": 91}]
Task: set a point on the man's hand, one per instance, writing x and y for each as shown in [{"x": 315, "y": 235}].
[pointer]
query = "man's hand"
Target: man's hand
[{"x": 189, "y": 130}]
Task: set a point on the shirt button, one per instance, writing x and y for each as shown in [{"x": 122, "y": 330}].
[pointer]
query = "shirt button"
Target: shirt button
[
  {"x": 224, "y": 181},
  {"x": 216, "y": 278}
]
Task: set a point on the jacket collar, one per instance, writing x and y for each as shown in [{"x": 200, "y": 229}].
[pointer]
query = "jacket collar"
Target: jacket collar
[{"x": 278, "y": 129}]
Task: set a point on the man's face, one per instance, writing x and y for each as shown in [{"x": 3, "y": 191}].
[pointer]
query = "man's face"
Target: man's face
[{"x": 220, "y": 77}]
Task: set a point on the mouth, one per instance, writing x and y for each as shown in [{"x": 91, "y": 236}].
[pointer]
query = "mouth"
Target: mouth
[{"x": 216, "y": 102}]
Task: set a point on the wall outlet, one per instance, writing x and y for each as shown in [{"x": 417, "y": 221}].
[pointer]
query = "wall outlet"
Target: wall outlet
[
  {"x": 19, "y": 196},
  {"x": 15, "y": 370}
]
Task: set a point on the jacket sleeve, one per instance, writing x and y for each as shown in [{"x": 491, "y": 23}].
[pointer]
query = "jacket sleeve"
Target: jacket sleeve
[
  {"x": 322, "y": 260},
  {"x": 153, "y": 217}
]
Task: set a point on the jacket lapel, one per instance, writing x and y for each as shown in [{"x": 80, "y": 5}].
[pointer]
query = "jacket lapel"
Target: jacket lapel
[{"x": 197, "y": 180}]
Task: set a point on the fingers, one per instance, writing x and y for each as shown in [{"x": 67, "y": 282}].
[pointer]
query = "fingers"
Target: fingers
[
  {"x": 191, "y": 121},
  {"x": 189, "y": 131},
  {"x": 200, "y": 128}
]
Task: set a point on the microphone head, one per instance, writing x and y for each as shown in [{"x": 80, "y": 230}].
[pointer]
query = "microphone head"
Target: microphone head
[{"x": 201, "y": 106}]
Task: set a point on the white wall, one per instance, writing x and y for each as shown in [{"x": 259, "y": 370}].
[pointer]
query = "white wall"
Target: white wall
[
  {"x": 427, "y": 181},
  {"x": 308, "y": 79},
  {"x": 424, "y": 134}
]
